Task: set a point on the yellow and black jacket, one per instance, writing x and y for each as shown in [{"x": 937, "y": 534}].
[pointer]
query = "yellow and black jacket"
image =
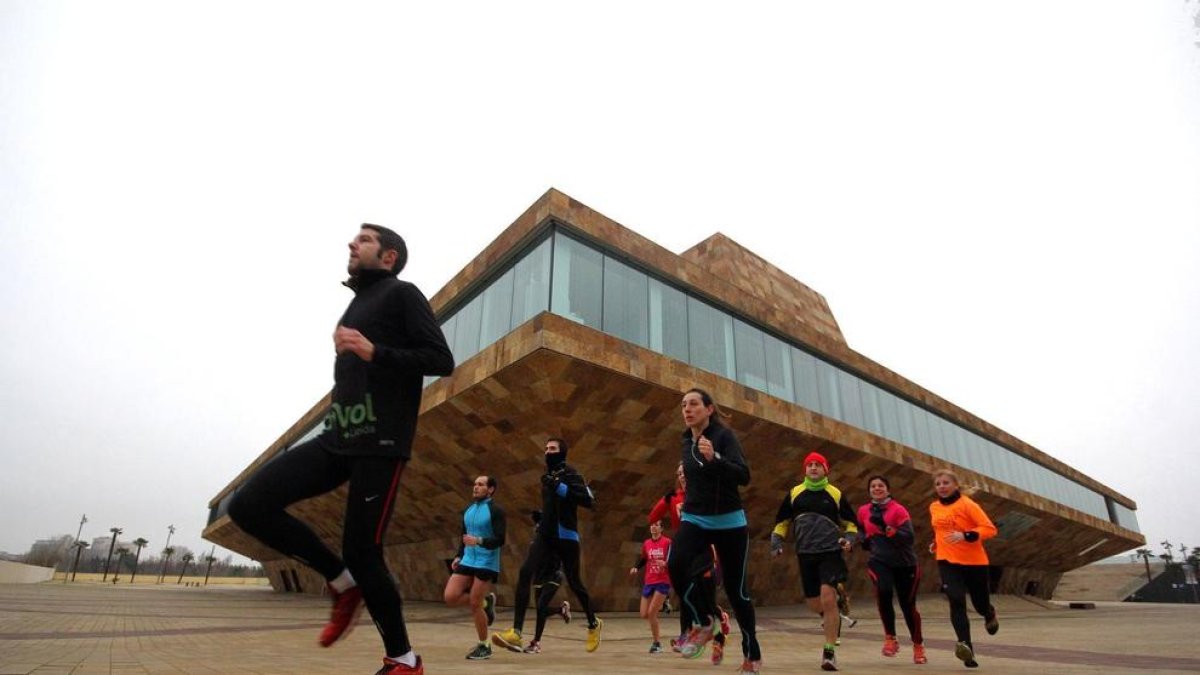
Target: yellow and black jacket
[{"x": 820, "y": 516}]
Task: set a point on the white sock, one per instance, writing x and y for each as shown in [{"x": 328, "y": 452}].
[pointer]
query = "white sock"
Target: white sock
[
  {"x": 409, "y": 659},
  {"x": 343, "y": 582}
]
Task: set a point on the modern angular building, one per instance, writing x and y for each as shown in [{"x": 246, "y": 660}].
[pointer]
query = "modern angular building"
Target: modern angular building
[{"x": 571, "y": 325}]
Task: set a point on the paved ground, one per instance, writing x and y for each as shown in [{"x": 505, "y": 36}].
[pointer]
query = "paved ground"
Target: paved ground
[{"x": 88, "y": 628}]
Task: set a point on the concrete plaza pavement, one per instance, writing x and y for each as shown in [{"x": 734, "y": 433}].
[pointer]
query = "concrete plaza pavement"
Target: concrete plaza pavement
[{"x": 91, "y": 628}]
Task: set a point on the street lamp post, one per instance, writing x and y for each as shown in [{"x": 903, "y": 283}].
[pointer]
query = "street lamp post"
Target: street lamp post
[
  {"x": 210, "y": 559},
  {"x": 78, "y": 532},
  {"x": 115, "y": 531}
]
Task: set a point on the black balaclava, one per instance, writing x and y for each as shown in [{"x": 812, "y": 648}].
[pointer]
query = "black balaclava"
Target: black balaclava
[{"x": 557, "y": 459}]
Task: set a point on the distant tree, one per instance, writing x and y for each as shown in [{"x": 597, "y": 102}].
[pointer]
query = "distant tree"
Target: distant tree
[
  {"x": 1144, "y": 554},
  {"x": 79, "y": 546},
  {"x": 139, "y": 543},
  {"x": 167, "y": 553},
  {"x": 187, "y": 558},
  {"x": 121, "y": 553},
  {"x": 49, "y": 552},
  {"x": 112, "y": 545}
]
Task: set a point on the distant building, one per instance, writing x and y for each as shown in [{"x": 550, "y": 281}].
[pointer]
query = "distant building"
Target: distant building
[{"x": 569, "y": 324}]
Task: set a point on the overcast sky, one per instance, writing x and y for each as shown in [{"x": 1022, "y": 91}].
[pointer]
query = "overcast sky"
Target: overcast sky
[{"x": 1000, "y": 201}]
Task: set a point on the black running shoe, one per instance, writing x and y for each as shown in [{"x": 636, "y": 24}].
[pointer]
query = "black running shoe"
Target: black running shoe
[
  {"x": 992, "y": 624},
  {"x": 482, "y": 651}
]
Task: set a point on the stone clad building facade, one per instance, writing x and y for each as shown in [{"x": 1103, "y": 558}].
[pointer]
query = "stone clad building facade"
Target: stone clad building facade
[{"x": 569, "y": 324}]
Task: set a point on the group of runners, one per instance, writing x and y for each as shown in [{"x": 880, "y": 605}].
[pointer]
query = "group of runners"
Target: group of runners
[{"x": 387, "y": 341}]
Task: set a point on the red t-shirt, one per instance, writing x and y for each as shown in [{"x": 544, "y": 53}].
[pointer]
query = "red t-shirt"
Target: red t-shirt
[{"x": 655, "y": 554}]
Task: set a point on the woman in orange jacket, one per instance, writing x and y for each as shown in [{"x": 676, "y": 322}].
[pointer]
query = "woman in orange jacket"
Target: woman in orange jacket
[{"x": 959, "y": 529}]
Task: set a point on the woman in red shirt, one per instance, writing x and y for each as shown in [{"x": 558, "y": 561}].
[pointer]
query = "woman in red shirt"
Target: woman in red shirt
[{"x": 657, "y": 583}]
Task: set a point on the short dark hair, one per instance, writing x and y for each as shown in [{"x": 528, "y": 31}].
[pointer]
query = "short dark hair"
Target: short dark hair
[
  {"x": 562, "y": 445},
  {"x": 389, "y": 240},
  {"x": 886, "y": 484},
  {"x": 491, "y": 482}
]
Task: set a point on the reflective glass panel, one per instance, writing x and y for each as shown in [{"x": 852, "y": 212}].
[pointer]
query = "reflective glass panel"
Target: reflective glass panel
[
  {"x": 750, "y": 357},
  {"x": 626, "y": 302},
  {"x": 779, "y": 368},
  {"x": 497, "y": 310},
  {"x": 710, "y": 338},
  {"x": 531, "y": 284},
  {"x": 668, "y": 320},
  {"x": 577, "y": 284}
]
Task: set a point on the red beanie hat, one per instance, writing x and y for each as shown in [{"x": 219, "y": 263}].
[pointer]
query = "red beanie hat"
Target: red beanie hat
[{"x": 817, "y": 457}]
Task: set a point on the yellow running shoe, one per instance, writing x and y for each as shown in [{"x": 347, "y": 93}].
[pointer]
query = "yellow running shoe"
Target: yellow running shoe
[
  {"x": 509, "y": 639},
  {"x": 593, "y": 638}
]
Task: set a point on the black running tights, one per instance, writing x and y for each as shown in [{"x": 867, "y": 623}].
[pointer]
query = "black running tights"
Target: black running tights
[
  {"x": 308, "y": 470},
  {"x": 957, "y": 582}
]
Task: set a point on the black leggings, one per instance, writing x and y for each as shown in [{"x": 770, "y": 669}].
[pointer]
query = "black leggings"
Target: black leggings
[
  {"x": 539, "y": 551},
  {"x": 308, "y": 470},
  {"x": 545, "y": 594},
  {"x": 689, "y": 554},
  {"x": 901, "y": 582},
  {"x": 957, "y": 582}
]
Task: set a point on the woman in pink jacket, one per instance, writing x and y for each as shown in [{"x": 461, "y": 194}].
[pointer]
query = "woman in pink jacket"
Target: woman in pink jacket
[{"x": 888, "y": 535}]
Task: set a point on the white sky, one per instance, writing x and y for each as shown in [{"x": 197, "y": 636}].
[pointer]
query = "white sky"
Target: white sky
[{"x": 1000, "y": 201}]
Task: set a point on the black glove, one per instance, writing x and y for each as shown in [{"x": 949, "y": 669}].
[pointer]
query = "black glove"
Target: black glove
[
  {"x": 550, "y": 481},
  {"x": 536, "y": 515}
]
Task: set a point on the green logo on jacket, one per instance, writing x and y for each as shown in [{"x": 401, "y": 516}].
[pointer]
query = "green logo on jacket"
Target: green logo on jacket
[{"x": 344, "y": 417}]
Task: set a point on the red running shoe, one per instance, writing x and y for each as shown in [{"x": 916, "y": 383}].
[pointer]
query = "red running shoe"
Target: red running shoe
[
  {"x": 346, "y": 606},
  {"x": 391, "y": 667}
]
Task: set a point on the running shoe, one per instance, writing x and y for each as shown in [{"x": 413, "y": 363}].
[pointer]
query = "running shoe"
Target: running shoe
[
  {"x": 693, "y": 646},
  {"x": 919, "y": 654},
  {"x": 482, "y": 651},
  {"x": 565, "y": 611},
  {"x": 391, "y": 667},
  {"x": 725, "y": 627},
  {"x": 677, "y": 643},
  {"x": 534, "y": 647},
  {"x": 656, "y": 648},
  {"x": 346, "y": 606},
  {"x": 891, "y": 646},
  {"x": 718, "y": 652},
  {"x": 848, "y": 621},
  {"x": 509, "y": 639},
  {"x": 964, "y": 653},
  {"x": 489, "y": 607},
  {"x": 828, "y": 660},
  {"x": 992, "y": 624},
  {"x": 593, "y": 638},
  {"x": 750, "y": 667}
]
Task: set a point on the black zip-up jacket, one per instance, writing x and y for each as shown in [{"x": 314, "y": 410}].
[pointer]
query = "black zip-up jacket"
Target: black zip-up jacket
[
  {"x": 712, "y": 486},
  {"x": 375, "y": 404},
  {"x": 563, "y": 491}
]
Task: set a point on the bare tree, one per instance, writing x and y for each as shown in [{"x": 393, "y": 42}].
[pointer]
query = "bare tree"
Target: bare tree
[{"x": 48, "y": 552}]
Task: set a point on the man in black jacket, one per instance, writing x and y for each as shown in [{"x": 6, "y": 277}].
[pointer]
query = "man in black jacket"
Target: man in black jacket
[
  {"x": 563, "y": 491},
  {"x": 386, "y": 342}
]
